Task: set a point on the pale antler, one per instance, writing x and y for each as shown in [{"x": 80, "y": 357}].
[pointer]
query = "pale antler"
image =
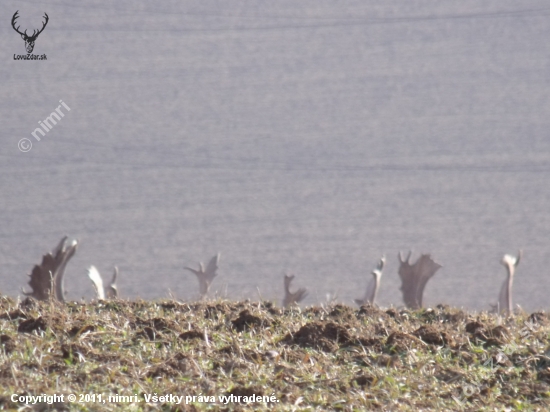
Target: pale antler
[
  {"x": 112, "y": 290},
  {"x": 505, "y": 297},
  {"x": 415, "y": 277},
  {"x": 374, "y": 284},
  {"x": 97, "y": 281},
  {"x": 47, "y": 278},
  {"x": 206, "y": 277},
  {"x": 292, "y": 298}
]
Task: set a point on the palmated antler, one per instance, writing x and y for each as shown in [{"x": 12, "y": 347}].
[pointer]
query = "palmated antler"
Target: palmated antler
[
  {"x": 206, "y": 277},
  {"x": 505, "y": 297},
  {"x": 292, "y": 298},
  {"x": 97, "y": 280},
  {"x": 374, "y": 284},
  {"x": 47, "y": 278},
  {"x": 415, "y": 277}
]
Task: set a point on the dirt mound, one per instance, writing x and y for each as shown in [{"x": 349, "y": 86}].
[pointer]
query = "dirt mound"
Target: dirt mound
[
  {"x": 343, "y": 313},
  {"x": 192, "y": 334},
  {"x": 7, "y": 343},
  {"x": 80, "y": 329},
  {"x": 399, "y": 342},
  {"x": 433, "y": 336},
  {"x": 363, "y": 380},
  {"x": 246, "y": 321},
  {"x": 497, "y": 336},
  {"x": 370, "y": 311},
  {"x": 318, "y": 335},
  {"x": 30, "y": 325}
]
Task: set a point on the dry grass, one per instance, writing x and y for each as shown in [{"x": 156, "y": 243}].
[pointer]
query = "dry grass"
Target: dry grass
[{"x": 319, "y": 358}]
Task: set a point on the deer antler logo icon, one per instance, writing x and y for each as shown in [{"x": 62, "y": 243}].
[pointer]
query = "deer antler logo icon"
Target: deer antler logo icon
[{"x": 29, "y": 40}]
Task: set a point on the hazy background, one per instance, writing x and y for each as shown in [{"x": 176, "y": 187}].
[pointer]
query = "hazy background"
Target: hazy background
[{"x": 304, "y": 136}]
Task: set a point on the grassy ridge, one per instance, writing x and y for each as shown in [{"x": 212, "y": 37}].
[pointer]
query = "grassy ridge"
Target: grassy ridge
[{"x": 318, "y": 358}]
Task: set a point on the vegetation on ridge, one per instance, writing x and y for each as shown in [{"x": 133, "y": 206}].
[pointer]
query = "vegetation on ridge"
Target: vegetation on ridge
[{"x": 319, "y": 358}]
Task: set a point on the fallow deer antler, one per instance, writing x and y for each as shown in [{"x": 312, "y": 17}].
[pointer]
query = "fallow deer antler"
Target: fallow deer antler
[
  {"x": 374, "y": 284},
  {"x": 112, "y": 290},
  {"x": 292, "y": 298},
  {"x": 505, "y": 297},
  {"x": 97, "y": 280},
  {"x": 206, "y": 277},
  {"x": 47, "y": 278},
  {"x": 415, "y": 277}
]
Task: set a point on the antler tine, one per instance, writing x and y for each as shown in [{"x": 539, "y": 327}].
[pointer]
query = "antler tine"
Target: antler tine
[
  {"x": 196, "y": 272},
  {"x": 288, "y": 280},
  {"x": 60, "y": 246},
  {"x": 301, "y": 294},
  {"x": 291, "y": 298},
  {"x": 400, "y": 257},
  {"x": 115, "y": 275},
  {"x": 381, "y": 263},
  {"x": 112, "y": 291},
  {"x": 520, "y": 255}
]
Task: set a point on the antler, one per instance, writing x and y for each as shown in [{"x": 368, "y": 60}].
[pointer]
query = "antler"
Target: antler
[
  {"x": 34, "y": 33},
  {"x": 112, "y": 290},
  {"x": 97, "y": 281},
  {"x": 415, "y": 277},
  {"x": 374, "y": 284},
  {"x": 206, "y": 277},
  {"x": 505, "y": 297},
  {"x": 400, "y": 257},
  {"x": 46, "y": 279},
  {"x": 15, "y": 16},
  {"x": 43, "y": 26},
  {"x": 292, "y": 298}
]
